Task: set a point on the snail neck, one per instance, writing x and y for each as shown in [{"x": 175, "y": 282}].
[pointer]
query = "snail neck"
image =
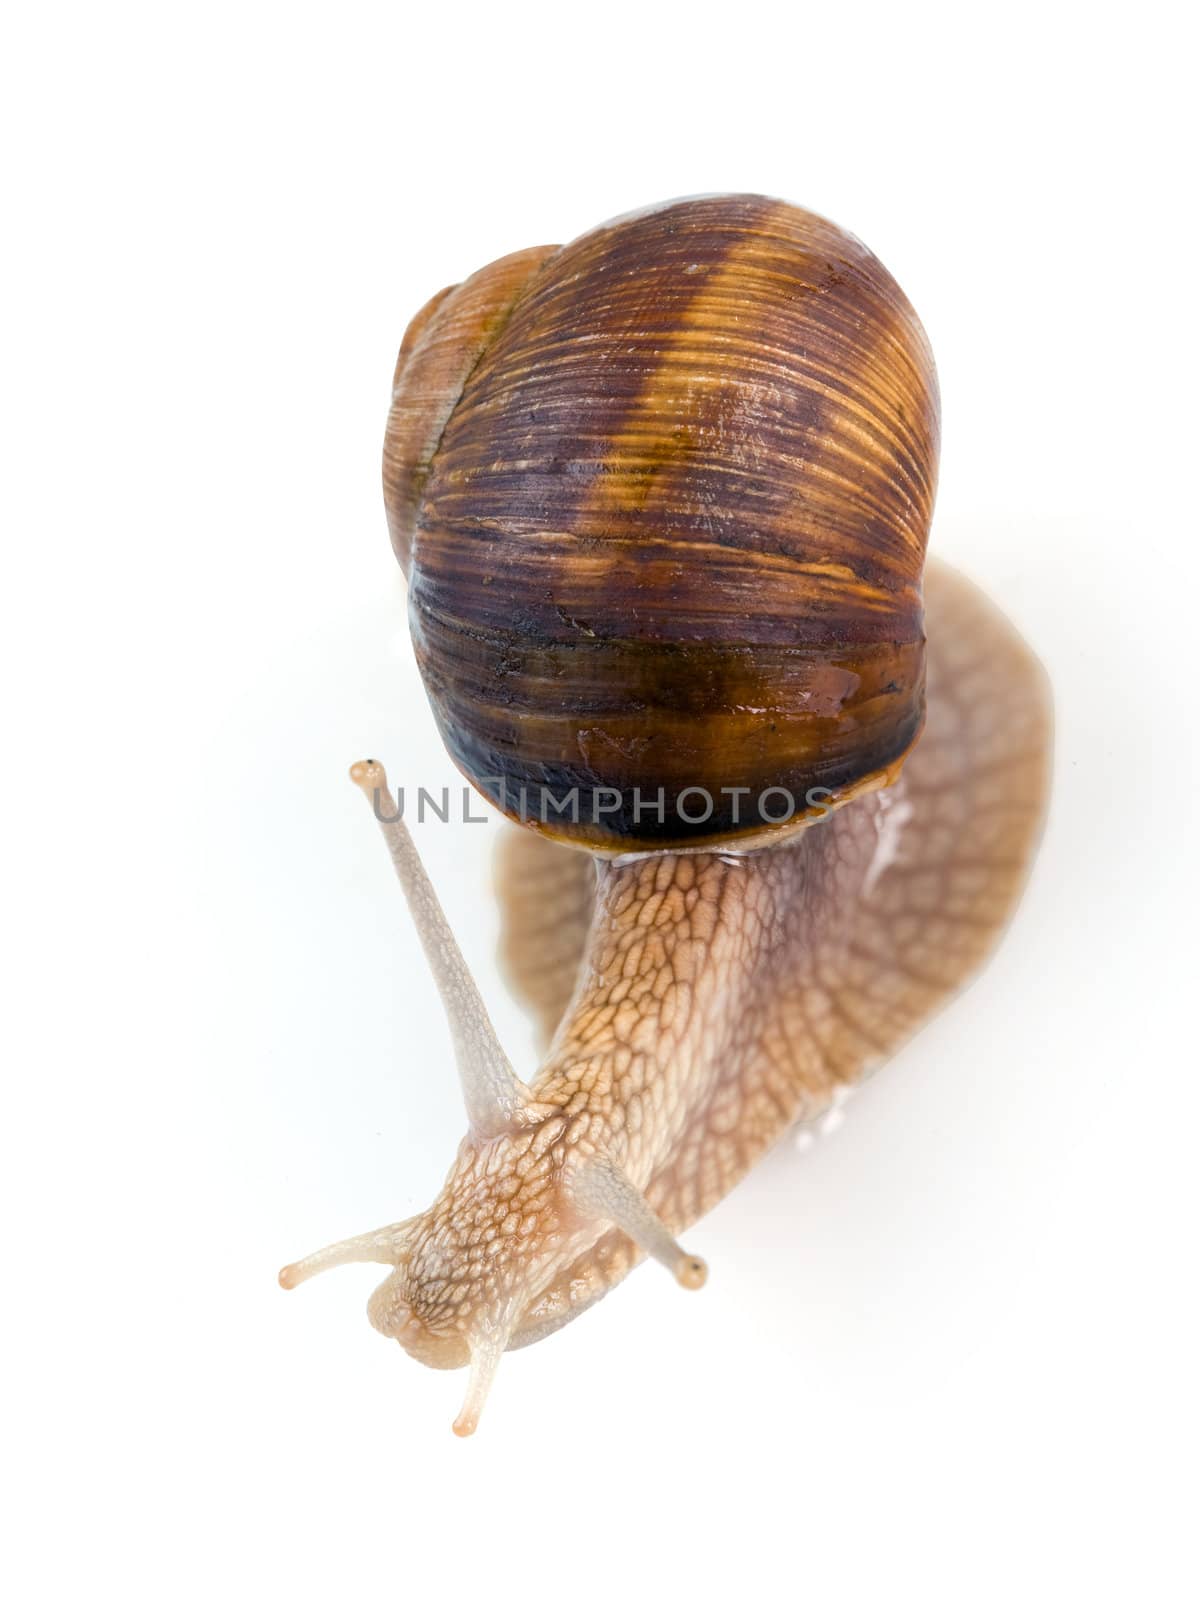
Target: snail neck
[
  {"x": 677, "y": 954},
  {"x": 678, "y": 1055}
]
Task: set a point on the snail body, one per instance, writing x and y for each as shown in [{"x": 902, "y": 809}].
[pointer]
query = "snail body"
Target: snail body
[{"x": 662, "y": 497}]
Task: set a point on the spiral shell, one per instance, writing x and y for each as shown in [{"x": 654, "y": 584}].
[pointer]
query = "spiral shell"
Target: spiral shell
[{"x": 663, "y": 497}]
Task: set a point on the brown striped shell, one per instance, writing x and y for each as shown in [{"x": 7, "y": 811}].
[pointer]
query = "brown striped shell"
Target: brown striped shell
[{"x": 663, "y": 497}]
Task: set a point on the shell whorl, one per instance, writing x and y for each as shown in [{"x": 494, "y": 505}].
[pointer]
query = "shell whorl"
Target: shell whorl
[{"x": 668, "y": 491}]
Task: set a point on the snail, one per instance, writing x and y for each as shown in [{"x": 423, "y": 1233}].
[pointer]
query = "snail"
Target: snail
[{"x": 662, "y": 497}]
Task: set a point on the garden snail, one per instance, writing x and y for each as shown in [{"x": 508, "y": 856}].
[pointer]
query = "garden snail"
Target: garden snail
[{"x": 662, "y": 497}]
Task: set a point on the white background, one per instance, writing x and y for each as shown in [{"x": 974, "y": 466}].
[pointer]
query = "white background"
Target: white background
[{"x": 949, "y": 1351}]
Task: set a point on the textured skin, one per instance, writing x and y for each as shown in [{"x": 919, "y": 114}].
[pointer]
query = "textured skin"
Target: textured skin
[
  {"x": 547, "y": 893},
  {"x": 720, "y": 998},
  {"x": 670, "y": 524}
]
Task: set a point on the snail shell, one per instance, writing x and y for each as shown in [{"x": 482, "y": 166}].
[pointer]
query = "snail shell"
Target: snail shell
[{"x": 663, "y": 498}]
